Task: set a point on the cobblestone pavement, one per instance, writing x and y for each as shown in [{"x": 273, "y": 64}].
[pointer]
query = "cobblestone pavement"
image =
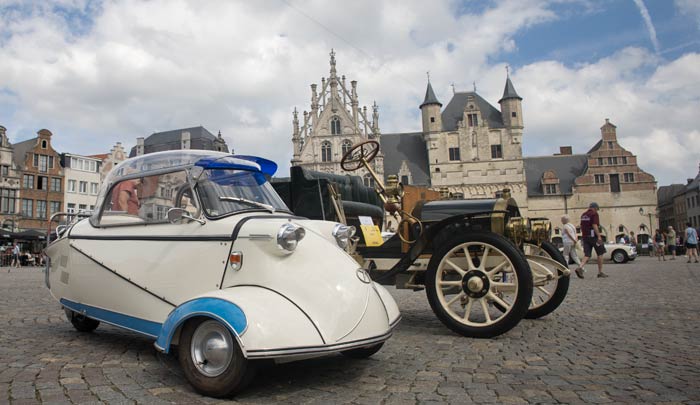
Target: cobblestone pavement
[{"x": 630, "y": 338}]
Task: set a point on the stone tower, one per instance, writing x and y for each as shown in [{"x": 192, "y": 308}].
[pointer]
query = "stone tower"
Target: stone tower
[
  {"x": 321, "y": 136},
  {"x": 512, "y": 112},
  {"x": 430, "y": 111}
]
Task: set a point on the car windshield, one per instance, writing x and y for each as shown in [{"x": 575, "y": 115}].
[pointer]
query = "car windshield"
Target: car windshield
[{"x": 223, "y": 192}]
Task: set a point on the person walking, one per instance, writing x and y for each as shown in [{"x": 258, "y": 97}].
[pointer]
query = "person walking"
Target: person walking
[
  {"x": 671, "y": 242},
  {"x": 569, "y": 238},
  {"x": 659, "y": 244},
  {"x": 592, "y": 239},
  {"x": 15, "y": 256},
  {"x": 691, "y": 242}
]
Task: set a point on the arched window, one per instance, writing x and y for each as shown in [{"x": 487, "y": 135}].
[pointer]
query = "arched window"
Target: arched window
[
  {"x": 335, "y": 126},
  {"x": 368, "y": 180},
  {"x": 326, "y": 151},
  {"x": 346, "y": 146}
]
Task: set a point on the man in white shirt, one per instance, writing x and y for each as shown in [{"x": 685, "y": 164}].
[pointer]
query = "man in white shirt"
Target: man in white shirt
[{"x": 569, "y": 238}]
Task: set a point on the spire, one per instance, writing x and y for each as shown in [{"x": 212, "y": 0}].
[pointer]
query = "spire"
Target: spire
[
  {"x": 430, "y": 97},
  {"x": 333, "y": 72},
  {"x": 509, "y": 91}
]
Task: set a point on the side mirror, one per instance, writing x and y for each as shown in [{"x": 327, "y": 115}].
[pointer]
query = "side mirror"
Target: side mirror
[{"x": 176, "y": 215}]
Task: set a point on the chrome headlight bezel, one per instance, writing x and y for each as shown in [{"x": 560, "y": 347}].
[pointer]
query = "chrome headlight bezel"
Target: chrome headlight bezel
[
  {"x": 289, "y": 236},
  {"x": 342, "y": 235}
]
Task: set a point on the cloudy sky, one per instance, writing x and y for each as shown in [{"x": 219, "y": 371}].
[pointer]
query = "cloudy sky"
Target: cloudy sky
[{"x": 99, "y": 72}]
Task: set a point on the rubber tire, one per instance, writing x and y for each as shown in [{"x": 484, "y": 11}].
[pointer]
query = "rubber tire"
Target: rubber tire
[
  {"x": 362, "y": 352},
  {"x": 562, "y": 285},
  {"x": 522, "y": 272},
  {"x": 232, "y": 380},
  {"x": 624, "y": 256},
  {"x": 81, "y": 322}
]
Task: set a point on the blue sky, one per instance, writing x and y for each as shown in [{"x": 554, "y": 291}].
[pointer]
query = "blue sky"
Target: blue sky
[{"x": 96, "y": 73}]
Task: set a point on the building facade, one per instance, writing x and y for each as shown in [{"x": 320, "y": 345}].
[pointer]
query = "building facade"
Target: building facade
[
  {"x": 115, "y": 156},
  {"x": 692, "y": 201},
  {"x": 41, "y": 179},
  {"x": 333, "y": 125},
  {"x": 82, "y": 180},
  {"x": 9, "y": 185},
  {"x": 186, "y": 138}
]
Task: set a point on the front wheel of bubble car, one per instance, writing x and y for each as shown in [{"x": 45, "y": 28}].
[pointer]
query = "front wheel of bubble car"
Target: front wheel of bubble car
[
  {"x": 81, "y": 322},
  {"x": 363, "y": 352},
  {"x": 211, "y": 358}
]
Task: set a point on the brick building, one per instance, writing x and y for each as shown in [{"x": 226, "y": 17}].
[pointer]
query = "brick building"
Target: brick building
[
  {"x": 41, "y": 180},
  {"x": 9, "y": 185}
]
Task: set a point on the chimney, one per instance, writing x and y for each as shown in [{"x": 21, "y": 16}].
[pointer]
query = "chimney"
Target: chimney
[
  {"x": 565, "y": 150},
  {"x": 139, "y": 146},
  {"x": 608, "y": 131},
  {"x": 185, "y": 140}
]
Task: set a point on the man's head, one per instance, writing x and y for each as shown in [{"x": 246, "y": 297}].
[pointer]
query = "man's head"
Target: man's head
[
  {"x": 564, "y": 219},
  {"x": 594, "y": 205},
  {"x": 670, "y": 228}
]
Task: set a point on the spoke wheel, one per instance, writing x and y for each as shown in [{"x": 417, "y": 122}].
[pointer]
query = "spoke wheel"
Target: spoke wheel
[
  {"x": 546, "y": 295},
  {"x": 469, "y": 275},
  {"x": 211, "y": 358}
]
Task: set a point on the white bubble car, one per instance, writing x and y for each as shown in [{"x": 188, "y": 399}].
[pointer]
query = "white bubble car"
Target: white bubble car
[{"x": 195, "y": 250}]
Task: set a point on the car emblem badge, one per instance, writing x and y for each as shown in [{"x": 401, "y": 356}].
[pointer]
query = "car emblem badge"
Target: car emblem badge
[{"x": 363, "y": 276}]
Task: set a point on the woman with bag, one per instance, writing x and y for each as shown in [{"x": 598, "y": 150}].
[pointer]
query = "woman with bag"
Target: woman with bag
[{"x": 569, "y": 238}]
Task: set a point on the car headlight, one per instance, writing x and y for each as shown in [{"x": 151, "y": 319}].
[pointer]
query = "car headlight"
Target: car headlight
[
  {"x": 342, "y": 234},
  {"x": 289, "y": 235}
]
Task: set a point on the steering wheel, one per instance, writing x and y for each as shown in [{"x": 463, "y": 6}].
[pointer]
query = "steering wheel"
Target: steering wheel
[{"x": 358, "y": 155}]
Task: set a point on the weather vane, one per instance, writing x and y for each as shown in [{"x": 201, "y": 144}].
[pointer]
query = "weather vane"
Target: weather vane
[
  {"x": 453, "y": 88},
  {"x": 474, "y": 84},
  {"x": 428, "y": 74}
]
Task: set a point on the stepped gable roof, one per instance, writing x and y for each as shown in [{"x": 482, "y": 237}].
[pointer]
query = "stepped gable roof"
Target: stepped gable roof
[
  {"x": 566, "y": 167},
  {"x": 411, "y": 148},
  {"x": 430, "y": 97},
  {"x": 454, "y": 112}
]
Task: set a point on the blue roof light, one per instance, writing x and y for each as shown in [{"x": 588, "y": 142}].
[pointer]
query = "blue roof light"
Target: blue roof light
[{"x": 250, "y": 163}]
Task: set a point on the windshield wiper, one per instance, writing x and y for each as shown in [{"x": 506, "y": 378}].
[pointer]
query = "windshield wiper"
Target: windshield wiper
[{"x": 249, "y": 202}]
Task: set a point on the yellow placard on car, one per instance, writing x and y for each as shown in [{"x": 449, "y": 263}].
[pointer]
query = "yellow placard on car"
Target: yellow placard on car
[{"x": 370, "y": 231}]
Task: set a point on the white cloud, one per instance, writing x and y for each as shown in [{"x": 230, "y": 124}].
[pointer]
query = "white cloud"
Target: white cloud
[
  {"x": 648, "y": 23},
  {"x": 689, "y": 7},
  {"x": 241, "y": 67}
]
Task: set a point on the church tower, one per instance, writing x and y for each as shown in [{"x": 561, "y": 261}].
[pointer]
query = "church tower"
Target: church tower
[{"x": 430, "y": 110}]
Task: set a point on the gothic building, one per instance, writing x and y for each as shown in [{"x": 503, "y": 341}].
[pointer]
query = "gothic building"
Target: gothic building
[{"x": 334, "y": 124}]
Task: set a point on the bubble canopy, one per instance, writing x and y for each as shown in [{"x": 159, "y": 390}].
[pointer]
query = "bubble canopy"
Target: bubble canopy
[{"x": 166, "y": 161}]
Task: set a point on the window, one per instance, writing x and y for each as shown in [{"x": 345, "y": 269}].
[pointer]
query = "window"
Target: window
[
  {"x": 629, "y": 177},
  {"x": 82, "y": 207},
  {"x": 368, "y": 180},
  {"x": 42, "y": 183},
  {"x": 612, "y": 160},
  {"x": 335, "y": 126},
  {"x": 432, "y": 119},
  {"x": 550, "y": 188},
  {"x": 94, "y": 188},
  {"x": 44, "y": 144},
  {"x": 50, "y": 162},
  {"x": 326, "y": 151},
  {"x": 404, "y": 180},
  {"x": 600, "y": 161},
  {"x": 40, "y": 209},
  {"x": 28, "y": 181},
  {"x": 165, "y": 192},
  {"x": 27, "y": 208},
  {"x": 9, "y": 197},
  {"x": 454, "y": 153},
  {"x": 473, "y": 120},
  {"x": 624, "y": 160},
  {"x": 93, "y": 166},
  {"x": 599, "y": 178},
  {"x": 71, "y": 207},
  {"x": 83, "y": 187},
  {"x": 513, "y": 114},
  {"x": 611, "y": 144},
  {"x": 55, "y": 184},
  {"x": 347, "y": 145},
  {"x": 55, "y": 207},
  {"x": 43, "y": 163},
  {"x": 36, "y": 160},
  {"x": 71, "y": 186},
  {"x": 6, "y": 170},
  {"x": 496, "y": 152},
  {"x": 615, "y": 183}
]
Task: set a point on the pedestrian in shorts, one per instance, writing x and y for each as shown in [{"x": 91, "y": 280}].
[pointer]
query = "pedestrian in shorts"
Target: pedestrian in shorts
[
  {"x": 691, "y": 242},
  {"x": 592, "y": 239}
]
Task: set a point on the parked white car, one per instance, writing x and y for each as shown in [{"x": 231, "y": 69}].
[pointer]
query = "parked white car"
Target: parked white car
[
  {"x": 616, "y": 252},
  {"x": 195, "y": 250}
]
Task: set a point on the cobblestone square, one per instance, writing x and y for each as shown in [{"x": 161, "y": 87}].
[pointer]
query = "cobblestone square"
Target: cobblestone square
[{"x": 630, "y": 338}]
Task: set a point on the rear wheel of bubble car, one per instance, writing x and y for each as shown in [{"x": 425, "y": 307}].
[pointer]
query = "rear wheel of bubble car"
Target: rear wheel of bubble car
[
  {"x": 81, "y": 322},
  {"x": 363, "y": 352},
  {"x": 472, "y": 272},
  {"x": 547, "y": 297},
  {"x": 619, "y": 256},
  {"x": 211, "y": 358}
]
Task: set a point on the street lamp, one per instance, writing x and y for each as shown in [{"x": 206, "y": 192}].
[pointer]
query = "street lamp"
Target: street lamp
[{"x": 642, "y": 213}]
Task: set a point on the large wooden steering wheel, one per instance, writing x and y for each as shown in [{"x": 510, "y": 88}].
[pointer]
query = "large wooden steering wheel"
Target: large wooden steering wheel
[{"x": 358, "y": 155}]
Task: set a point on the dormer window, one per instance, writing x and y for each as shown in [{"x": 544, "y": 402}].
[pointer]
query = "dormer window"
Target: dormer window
[
  {"x": 473, "y": 120},
  {"x": 550, "y": 182},
  {"x": 335, "y": 126},
  {"x": 44, "y": 144}
]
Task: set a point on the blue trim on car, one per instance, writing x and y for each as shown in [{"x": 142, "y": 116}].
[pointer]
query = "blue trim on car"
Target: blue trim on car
[
  {"x": 148, "y": 328},
  {"x": 242, "y": 162},
  {"x": 224, "y": 311}
]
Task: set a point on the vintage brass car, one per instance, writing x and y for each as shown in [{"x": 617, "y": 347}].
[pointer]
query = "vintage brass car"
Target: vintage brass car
[{"x": 477, "y": 260}]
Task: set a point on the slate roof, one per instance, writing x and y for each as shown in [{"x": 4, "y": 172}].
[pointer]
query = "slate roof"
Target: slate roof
[
  {"x": 454, "y": 112},
  {"x": 21, "y": 149},
  {"x": 694, "y": 185},
  {"x": 596, "y": 146},
  {"x": 665, "y": 194},
  {"x": 430, "y": 97},
  {"x": 200, "y": 138},
  {"x": 567, "y": 168},
  {"x": 411, "y": 148},
  {"x": 509, "y": 91}
]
